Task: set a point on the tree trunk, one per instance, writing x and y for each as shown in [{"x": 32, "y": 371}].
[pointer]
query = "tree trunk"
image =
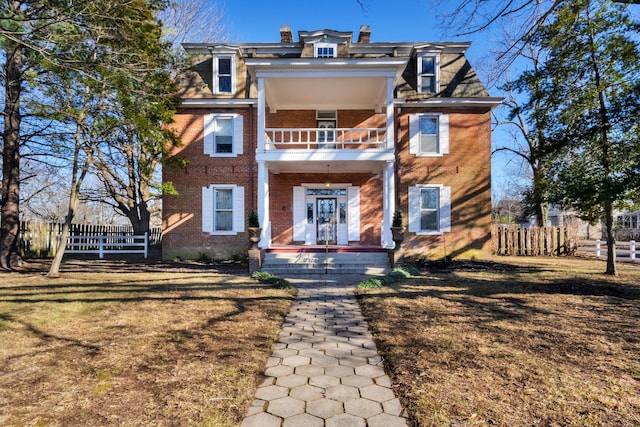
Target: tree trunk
[
  {"x": 611, "y": 240},
  {"x": 74, "y": 200},
  {"x": 10, "y": 209},
  {"x": 54, "y": 270},
  {"x": 139, "y": 217}
]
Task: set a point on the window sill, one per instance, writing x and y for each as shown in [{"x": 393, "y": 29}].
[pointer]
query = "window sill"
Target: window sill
[
  {"x": 223, "y": 155},
  {"x": 429, "y": 233},
  {"x": 429, "y": 155}
]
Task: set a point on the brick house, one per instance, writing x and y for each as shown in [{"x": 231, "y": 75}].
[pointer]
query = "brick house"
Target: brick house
[{"x": 325, "y": 137}]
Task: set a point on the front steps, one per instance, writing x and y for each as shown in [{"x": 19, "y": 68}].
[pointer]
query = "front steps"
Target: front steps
[{"x": 284, "y": 262}]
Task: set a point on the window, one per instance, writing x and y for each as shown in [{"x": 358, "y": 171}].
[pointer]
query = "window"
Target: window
[
  {"x": 325, "y": 50},
  {"x": 428, "y": 74},
  {"x": 223, "y": 209},
  {"x": 429, "y": 209},
  {"x": 223, "y": 135},
  {"x": 223, "y": 74},
  {"x": 429, "y": 134},
  {"x": 429, "y": 206},
  {"x": 223, "y": 215}
]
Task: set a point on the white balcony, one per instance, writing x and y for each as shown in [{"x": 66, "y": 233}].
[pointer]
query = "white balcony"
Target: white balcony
[{"x": 325, "y": 138}]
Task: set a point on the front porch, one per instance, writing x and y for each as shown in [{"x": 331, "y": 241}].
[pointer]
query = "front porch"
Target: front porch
[{"x": 338, "y": 207}]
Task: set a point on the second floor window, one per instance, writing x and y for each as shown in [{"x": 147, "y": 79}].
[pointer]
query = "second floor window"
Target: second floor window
[
  {"x": 223, "y": 135},
  {"x": 429, "y": 134}
]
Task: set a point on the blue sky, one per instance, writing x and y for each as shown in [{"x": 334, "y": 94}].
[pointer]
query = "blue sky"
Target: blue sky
[{"x": 390, "y": 20}]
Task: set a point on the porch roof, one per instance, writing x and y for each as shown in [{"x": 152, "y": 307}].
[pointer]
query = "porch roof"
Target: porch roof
[{"x": 317, "y": 83}]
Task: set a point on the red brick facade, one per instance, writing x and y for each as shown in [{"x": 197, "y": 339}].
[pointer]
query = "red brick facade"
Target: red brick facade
[{"x": 464, "y": 170}]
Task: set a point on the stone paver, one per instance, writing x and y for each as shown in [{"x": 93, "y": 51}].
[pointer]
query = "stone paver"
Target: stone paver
[{"x": 325, "y": 369}]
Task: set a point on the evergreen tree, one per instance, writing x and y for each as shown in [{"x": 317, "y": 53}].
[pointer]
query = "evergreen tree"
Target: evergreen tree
[{"x": 590, "y": 80}]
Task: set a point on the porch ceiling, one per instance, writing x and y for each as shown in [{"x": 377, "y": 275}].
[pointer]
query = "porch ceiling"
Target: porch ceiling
[
  {"x": 325, "y": 93},
  {"x": 335, "y": 167}
]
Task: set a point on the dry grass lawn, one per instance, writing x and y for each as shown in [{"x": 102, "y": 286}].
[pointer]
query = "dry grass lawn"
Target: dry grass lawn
[
  {"x": 514, "y": 342},
  {"x": 128, "y": 344}
]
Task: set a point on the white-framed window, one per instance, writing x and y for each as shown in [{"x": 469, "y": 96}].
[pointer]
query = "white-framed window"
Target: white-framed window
[
  {"x": 325, "y": 50},
  {"x": 223, "y": 209},
  {"x": 223, "y": 74},
  {"x": 223, "y": 135},
  {"x": 428, "y": 73},
  {"x": 429, "y": 134},
  {"x": 429, "y": 209}
]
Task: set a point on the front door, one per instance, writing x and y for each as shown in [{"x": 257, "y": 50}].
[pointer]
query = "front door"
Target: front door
[{"x": 326, "y": 208}]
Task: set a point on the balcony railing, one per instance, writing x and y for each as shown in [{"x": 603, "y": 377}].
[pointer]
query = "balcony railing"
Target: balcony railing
[{"x": 317, "y": 138}]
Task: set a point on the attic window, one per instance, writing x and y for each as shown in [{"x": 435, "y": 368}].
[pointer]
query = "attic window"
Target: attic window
[
  {"x": 325, "y": 50},
  {"x": 223, "y": 78},
  {"x": 428, "y": 73}
]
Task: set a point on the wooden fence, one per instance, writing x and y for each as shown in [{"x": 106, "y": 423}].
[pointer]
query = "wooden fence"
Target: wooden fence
[
  {"x": 532, "y": 241},
  {"x": 41, "y": 239}
]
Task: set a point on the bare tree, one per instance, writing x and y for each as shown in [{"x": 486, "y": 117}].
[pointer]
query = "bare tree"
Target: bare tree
[{"x": 194, "y": 21}]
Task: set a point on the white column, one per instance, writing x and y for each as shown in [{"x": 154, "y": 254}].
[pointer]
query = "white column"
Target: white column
[
  {"x": 391, "y": 135},
  {"x": 388, "y": 204},
  {"x": 261, "y": 114},
  {"x": 263, "y": 205}
]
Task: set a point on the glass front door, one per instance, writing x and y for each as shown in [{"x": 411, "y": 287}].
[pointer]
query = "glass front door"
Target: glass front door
[{"x": 326, "y": 217}]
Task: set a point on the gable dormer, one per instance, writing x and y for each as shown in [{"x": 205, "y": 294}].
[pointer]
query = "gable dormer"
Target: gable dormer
[
  {"x": 325, "y": 43},
  {"x": 224, "y": 70}
]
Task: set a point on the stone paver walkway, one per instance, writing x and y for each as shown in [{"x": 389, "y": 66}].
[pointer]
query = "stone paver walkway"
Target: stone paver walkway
[{"x": 325, "y": 369}]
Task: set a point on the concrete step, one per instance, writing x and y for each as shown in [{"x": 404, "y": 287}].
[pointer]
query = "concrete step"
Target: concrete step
[{"x": 372, "y": 263}]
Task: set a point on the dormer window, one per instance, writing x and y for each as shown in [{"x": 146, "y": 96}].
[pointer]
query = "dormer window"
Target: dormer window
[
  {"x": 325, "y": 50},
  {"x": 223, "y": 78},
  {"x": 428, "y": 73}
]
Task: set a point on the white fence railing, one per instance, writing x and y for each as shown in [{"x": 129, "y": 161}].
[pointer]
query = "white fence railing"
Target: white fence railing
[
  {"x": 625, "y": 247},
  {"x": 314, "y": 138},
  {"x": 102, "y": 245}
]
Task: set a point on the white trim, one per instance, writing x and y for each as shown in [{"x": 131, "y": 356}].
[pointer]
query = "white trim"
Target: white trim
[
  {"x": 226, "y": 102},
  {"x": 486, "y": 101},
  {"x": 299, "y": 214},
  {"x": 353, "y": 213},
  {"x": 263, "y": 205},
  {"x": 389, "y": 205}
]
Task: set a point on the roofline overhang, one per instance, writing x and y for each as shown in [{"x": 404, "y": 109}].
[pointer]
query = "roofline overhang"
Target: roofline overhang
[
  {"x": 217, "y": 102},
  {"x": 382, "y": 48},
  {"x": 485, "y": 101},
  {"x": 488, "y": 101},
  {"x": 333, "y": 67}
]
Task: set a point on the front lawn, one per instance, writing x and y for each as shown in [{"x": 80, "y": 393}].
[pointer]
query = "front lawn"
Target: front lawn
[
  {"x": 118, "y": 344},
  {"x": 514, "y": 342}
]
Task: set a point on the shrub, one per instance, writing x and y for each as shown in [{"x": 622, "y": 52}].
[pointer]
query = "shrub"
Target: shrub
[
  {"x": 253, "y": 219},
  {"x": 397, "y": 219},
  {"x": 272, "y": 279},
  {"x": 389, "y": 278}
]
